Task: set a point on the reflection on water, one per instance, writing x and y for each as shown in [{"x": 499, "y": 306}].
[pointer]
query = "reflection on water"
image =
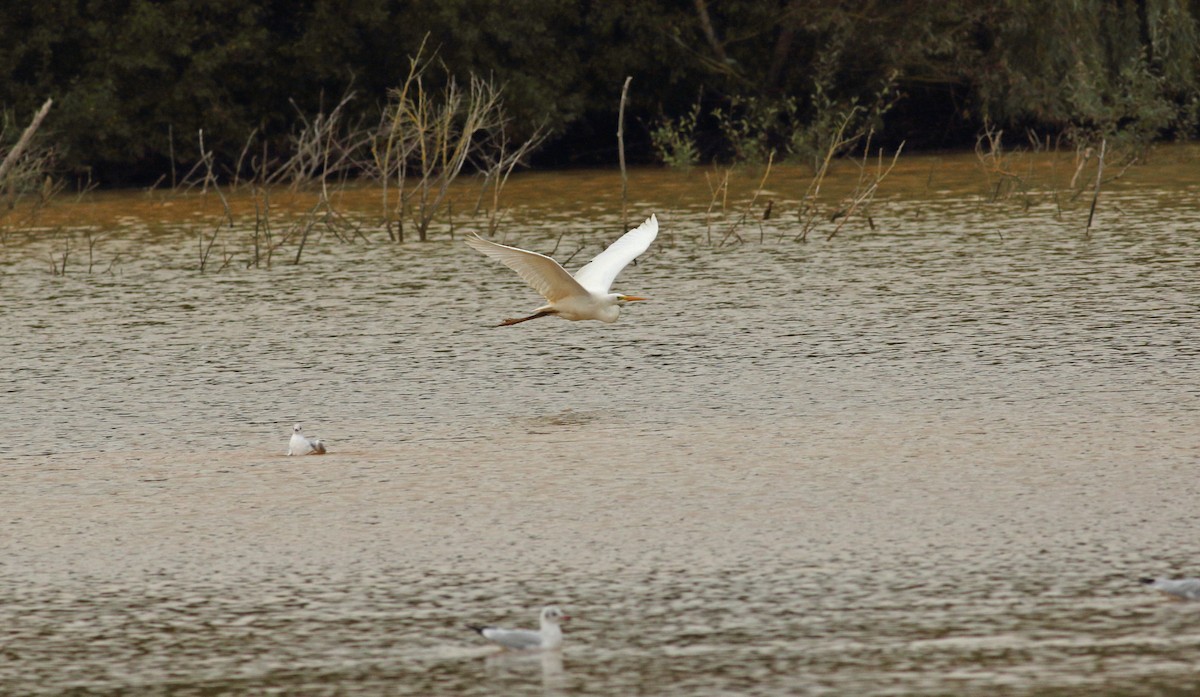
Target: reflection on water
[{"x": 930, "y": 458}]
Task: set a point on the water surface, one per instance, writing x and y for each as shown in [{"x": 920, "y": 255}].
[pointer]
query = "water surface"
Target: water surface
[{"x": 926, "y": 458}]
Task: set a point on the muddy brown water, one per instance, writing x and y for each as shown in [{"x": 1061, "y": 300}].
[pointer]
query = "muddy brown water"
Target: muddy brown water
[{"x": 928, "y": 458}]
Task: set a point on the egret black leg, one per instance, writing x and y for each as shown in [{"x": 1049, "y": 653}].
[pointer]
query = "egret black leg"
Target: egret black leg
[{"x": 518, "y": 320}]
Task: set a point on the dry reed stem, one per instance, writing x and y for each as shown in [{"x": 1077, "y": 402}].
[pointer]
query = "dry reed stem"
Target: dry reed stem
[
  {"x": 91, "y": 244},
  {"x": 427, "y": 138},
  {"x": 861, "y": 199},
  {"x": 237, "y": 167},
  {"x": 58, "y": 267},
  {"x": 621, "y": 155},
  {"x": 1087, "y": 231},
  {"x": 720, "y": 190},
  {"x": 499, "y": 165},
  {"x": 808, "y": 201},
  {"x": 746, "y": 211},
  {"x": 398, "y": 145},
  {"x": 325, "y": 146}
]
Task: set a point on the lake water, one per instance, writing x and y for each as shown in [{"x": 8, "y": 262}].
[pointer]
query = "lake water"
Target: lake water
[{"x": 931, "y": 457}]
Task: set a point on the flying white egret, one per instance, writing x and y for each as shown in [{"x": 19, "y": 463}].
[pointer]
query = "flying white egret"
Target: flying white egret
[
  {"x": 548, "y": 636},
  {"x": 584, "y": 295},
  {"x": 303, "y": 445},
  {"x": 1180, "y": 589}
]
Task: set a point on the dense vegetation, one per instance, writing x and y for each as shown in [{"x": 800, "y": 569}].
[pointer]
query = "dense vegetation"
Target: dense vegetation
[{"x": 134, "y": 81}]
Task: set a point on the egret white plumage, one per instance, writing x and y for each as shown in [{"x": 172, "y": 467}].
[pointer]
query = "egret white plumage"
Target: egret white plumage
[
  {"x": 586, "y": 294},
  {"x": 303, "y": 445},
  {"x": 548, "y": 636}
]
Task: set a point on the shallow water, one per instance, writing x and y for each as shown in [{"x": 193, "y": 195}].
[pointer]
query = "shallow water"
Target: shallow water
[{"x": 928, "y": 458}]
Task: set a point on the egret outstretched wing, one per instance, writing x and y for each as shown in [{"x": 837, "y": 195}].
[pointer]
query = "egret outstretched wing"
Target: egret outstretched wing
[
  {"x": 546, "y": 275},
  {"x": 599, "y": 274}
]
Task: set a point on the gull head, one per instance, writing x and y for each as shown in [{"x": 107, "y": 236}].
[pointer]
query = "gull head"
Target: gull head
[
  {"x": 552, "y": 615},
  {"x": 296, "y": 428}
]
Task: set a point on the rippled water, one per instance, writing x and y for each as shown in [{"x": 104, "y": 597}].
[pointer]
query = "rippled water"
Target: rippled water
[{"x": 929, "y": 458}]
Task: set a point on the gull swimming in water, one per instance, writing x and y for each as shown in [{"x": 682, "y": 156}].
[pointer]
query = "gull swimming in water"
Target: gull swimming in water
[
  {"x": 584, "y": 295},
  {"x": 303, "y": 445},
  {"x": 1180, "y": 589},
  {"x": 549, "y": 636}
]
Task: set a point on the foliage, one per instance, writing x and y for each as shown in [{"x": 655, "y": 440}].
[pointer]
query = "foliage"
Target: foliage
[
  {"x": 674, "y": 140},
  {"x": 134, "y": 81}
]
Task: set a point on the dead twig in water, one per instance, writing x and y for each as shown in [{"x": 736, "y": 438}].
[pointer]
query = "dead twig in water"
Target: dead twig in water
[
  {"x": 58, "y": 267},
  {"x": 994, "y": 161},
  {"x": 497, "y": 164},
  {"x": 91, "y": 243},
  {"x": 862, "y": 198},
  {"x": 210, "y": 177},
  {"x": 808, "y": 202},
  {"x": 1087, "y": 232},
  {"x": 746, "y": 211},
  {"x": 262, "y": 228},
  {"x": 237, "y": 167},
  {"x": 720, "y": 190},
  {"x": 205, "y": 250},
  {"x": 621, "y": 156}
]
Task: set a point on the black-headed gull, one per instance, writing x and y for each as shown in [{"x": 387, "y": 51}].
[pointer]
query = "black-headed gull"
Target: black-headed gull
[
  {"x": 549, "y": 636},
  {"x": 302, "y": 445},
  {"x": 1181, "y": 588}
]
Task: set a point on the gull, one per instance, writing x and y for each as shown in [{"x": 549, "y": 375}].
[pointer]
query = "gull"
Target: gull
[
  {"x": 302, "y": 445},
  {"x": 549, "y": 636},
  {"x": 582, "y": 296},
  {"x": 1180, "y": 589}
]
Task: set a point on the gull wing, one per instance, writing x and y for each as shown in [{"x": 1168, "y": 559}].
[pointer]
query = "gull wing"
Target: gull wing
[
  {"x": 1186, "y": 588},
  {"x": 513, "y": 638},
  {"x": 540, "y": 271},
  {"x": 599, "y": 274}
]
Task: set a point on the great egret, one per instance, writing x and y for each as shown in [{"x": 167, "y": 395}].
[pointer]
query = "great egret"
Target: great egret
[
  {"x": 303, "y": 445},
  {"x": 584, "y": 295},
  {"x": 1180, "y": 589},
  {"x": 548, "y": 636}
]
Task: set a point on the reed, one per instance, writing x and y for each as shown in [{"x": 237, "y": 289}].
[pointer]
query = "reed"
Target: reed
[
  {"x": 1087, "y": 231},
  {"x": 322, "y": 147},
  {"x": 58, "y": 265},
  {"x": 864, "y": 191},
  {"x": 92, "y": 240},
  {"x": 732, "y": 231},
  {"x": 206, "y": 244},
  {"x": 211, "y": 180},
  {"x": 262, "y": 228},
  {"x": 497, "y": 160},
  {"x": 720, "y": 191},
  {"x": 996, "y": 164},
  {"x": 808, "y": 212},
  {"x": 425, "y": 139},
  {"x": 621, "y": 155}
]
